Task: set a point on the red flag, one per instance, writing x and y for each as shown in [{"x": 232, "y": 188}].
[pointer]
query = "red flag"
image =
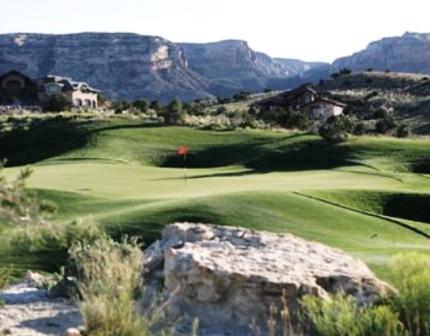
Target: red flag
[{"x": 182, "y": 150}]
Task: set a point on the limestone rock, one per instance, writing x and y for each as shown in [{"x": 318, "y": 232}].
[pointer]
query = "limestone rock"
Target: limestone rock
[
  {"x": 407, "y": 53},
  {"x": 132, "y": 66},
  {"x": 127, "y": 66},
  {"x": 232, "y": 66},
  {"x": 73, "y": 332},
  {"x": 229, "y": 277}
]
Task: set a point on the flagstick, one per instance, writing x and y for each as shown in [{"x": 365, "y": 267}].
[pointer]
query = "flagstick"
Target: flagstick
[{"x": 185, "y": 169}]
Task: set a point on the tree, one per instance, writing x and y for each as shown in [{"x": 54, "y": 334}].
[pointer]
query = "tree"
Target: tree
[
  {"x": 120, "y": 105},
  {"x": 345, "y": 72},
  {"x": 334, "y": 130},
  {"x": 403, "y": 131},
  {"x": 173, "y": 113},
  {"x": 19, "y": 205},
  {"x": 242, "y": 95},
  {"x": 385, "y": 124},
  {"x": 142, "y": 105},
  {"x": 156, "y": 106},
  {"x": 57, "y": 103}
]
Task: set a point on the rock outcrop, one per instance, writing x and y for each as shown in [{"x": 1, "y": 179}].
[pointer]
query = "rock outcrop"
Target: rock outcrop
[
  {"x": 131, "y": 66},
  {"x": 127, "y": 66},
  {"x": 30, "y": 311},
  {"x": 229, "y": 278},
  {"x": 232, "y": 66},
  {"x": 407, "y": 53}
]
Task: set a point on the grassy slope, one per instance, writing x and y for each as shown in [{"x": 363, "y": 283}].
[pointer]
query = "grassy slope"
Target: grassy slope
[{"x": 128, "y": 177}]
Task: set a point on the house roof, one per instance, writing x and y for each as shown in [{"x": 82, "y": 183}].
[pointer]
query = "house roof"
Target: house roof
[
  {"x": 17, "y": 73},
  {"x": 329, "y": 101},
  {"x": 298, "y": 91},
  {"x": 69, "y": 84}
]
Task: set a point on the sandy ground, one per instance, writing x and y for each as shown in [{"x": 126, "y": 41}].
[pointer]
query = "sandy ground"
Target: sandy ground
[{"x": 29, "y": 311}]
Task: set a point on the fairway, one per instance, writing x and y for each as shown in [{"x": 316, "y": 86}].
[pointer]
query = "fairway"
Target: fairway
[{"x": 367, "y": 196}]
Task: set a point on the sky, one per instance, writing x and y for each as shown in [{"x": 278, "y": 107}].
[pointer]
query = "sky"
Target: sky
[{"x": 311, "y": 30}]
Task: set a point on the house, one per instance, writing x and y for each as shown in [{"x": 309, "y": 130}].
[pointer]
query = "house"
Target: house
[
  {"x": 17, "y": 89},
  {"x": 80, "y": 94},
  {"x": 308, "y": 100}
]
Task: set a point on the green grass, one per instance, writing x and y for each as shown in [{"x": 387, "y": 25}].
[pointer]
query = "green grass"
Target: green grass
[{"x": 367, "y": 196}]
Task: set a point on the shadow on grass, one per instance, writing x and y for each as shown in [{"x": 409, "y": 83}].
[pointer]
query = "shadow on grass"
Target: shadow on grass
[{"x": 267, "y": 156}]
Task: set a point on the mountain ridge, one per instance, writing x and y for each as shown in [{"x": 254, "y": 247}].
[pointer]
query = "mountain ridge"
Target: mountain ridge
[{"x": 132, "y": 66}]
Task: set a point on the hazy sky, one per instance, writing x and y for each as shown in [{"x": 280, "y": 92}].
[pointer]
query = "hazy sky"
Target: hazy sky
[{"x": 307, "y": 29}]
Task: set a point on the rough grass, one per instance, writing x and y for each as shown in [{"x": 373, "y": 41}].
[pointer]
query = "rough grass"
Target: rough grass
[
  {"x": 109, "y": 274},
  {"x": 340, "y": 316},
  {"x": 128, "y": 177}
]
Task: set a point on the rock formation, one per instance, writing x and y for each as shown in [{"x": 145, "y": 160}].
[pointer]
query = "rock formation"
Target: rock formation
[
  {"x": 30, "y": 311},
  {"x": 407, "y": 53},
  {"x": 131, "y": 66},
  {"x": 127, "y": 66},
  {"x": 232, "y": 66},
  {"x": 229, "y": 278}
]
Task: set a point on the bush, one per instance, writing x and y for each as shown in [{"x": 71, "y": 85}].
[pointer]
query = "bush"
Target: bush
[
  {"x": 174, "y": 112},
  {"x": 334, "y": 130},
  {"x": 411, "y": 278},
  {"x": 57, "y": 103},
  {"x": 359, "y": 129},
  {"x": 345, "y": 72},
  {"x": 340, "y": 316},
  {"x": 5, "y": 276},
  {"x": 108, "y": 275},
  {"x": 120, "y": 105},
  {"x": 298, "y": 120},
  {"x": 381, "y": 113},
  {"x": 242, "y": 95},
  {"x": 20, "y": 206},
  {"x": 142, "y": 105},
  {"x": 385, "y": 125},
  {"x": 403, "y": 131}
]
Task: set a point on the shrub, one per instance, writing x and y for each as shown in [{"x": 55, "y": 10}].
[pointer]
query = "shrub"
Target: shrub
[
  {"x": 385, "y": 125},
  {"x": 120, "y": 105},
  {"x": 242, "y": 95},
  {"x": 345, "y": 72},
  {"x": 403, "y": 131},
  {"x": 109, "y": 276},
  {"x": 57, "y": 103},
  {"x": 20, "y": 206},
  {"x": 173, "y": 113},
  {"x": 298, "y": 120},
  {"x": 372, "y": 94},
  {"x": 359, "y": 129},
  {"x": 142, "y": 105},
  {"x": 334, "y": 130},
  {"x": 411, "y": 278},
  {"x": 340, "y": 316},
  {"x": 381, "y": 113},
  {"x": 5, "y": 276}
]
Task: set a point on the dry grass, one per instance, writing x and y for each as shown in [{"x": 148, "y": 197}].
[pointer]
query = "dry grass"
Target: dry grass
[{"x": 109, "y": 275}]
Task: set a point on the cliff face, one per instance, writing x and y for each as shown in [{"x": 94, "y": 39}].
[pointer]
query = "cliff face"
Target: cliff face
[
  {"x": 233, "y": 66},
  {"x": 131, "y": 66},
  {"x": 121, "y": 65},
  {"x": 407, "y": 53}
]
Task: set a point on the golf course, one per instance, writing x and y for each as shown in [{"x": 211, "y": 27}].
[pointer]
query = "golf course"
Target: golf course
[{"x": 368, "y": 196}]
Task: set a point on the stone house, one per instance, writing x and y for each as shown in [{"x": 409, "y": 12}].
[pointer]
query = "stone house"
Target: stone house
[
  {"x": 308, "y": 100},
  {"x": 80, "y": 94},
  {"x": 17, "y": 89}
]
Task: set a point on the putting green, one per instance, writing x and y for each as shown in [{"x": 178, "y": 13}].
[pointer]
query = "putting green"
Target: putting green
[{"x": 129, "y": 178}]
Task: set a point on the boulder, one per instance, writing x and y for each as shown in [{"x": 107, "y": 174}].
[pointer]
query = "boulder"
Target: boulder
[{"x": 232, "y": 278}]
